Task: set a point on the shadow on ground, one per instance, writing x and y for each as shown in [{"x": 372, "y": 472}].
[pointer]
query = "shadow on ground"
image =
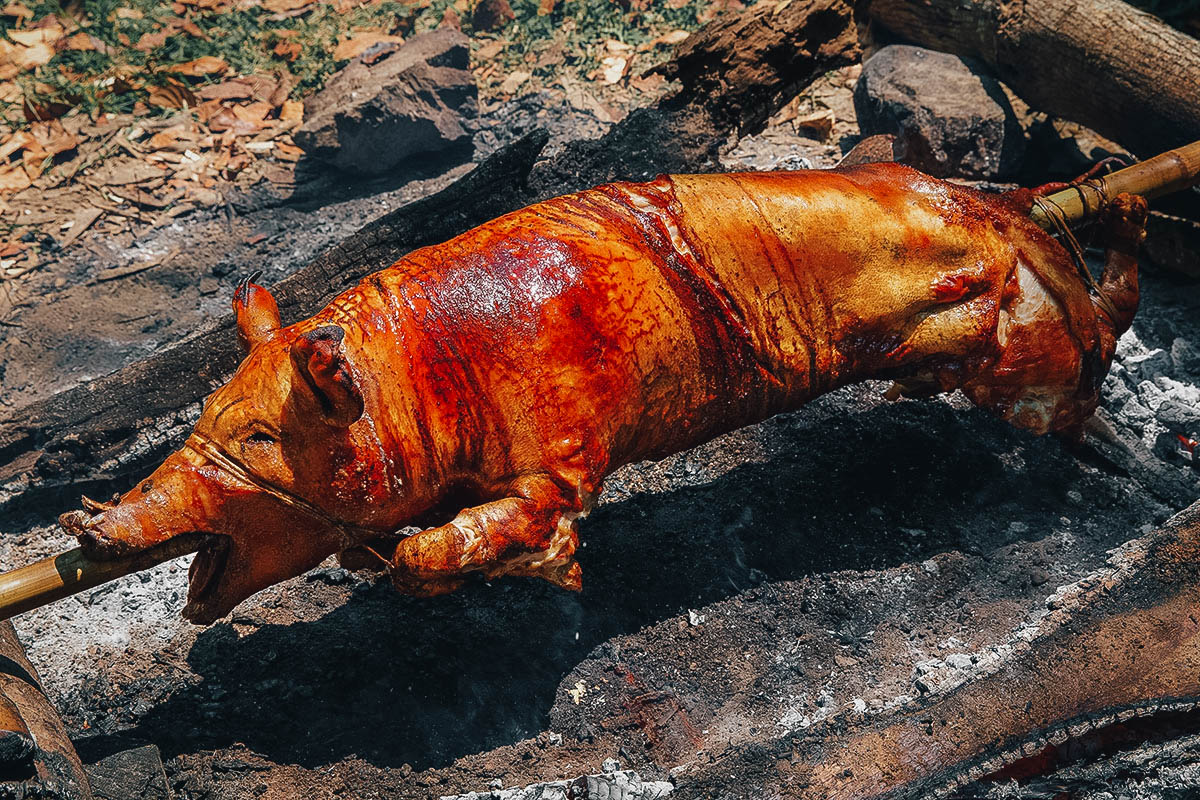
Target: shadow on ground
[{"x": 397, "y": 680}]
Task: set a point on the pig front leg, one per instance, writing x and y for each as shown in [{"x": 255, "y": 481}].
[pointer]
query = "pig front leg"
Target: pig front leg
[{"x": 531, "y": 533}]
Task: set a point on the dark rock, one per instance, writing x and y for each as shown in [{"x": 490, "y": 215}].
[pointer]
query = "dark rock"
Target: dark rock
[
  {"x": 951, "y": 117},
  {"x": 491, "y": 15},
  {"x": 372, "y": 117},
  {"x": 131, "y": 773}
]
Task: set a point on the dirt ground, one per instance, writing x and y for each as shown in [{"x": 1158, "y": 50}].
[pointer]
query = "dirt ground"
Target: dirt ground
[{"x": 814, "y": 570}]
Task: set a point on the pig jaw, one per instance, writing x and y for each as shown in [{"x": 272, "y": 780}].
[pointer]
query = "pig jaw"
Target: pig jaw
[{"x": 248, "y": 539}]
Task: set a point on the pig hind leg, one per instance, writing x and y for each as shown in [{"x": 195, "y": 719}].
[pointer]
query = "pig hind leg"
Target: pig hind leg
[{"x": 531, "y": 533}]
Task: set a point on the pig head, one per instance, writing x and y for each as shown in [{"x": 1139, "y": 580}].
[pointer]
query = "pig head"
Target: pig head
[{"x": 271, "y": 480}]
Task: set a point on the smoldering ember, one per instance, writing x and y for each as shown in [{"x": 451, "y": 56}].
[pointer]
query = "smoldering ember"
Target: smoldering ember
[{"x": 856, "y": 456}]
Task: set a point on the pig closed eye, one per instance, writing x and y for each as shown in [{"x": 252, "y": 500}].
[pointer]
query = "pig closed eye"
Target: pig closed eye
[{"x": 261, "y": 437}]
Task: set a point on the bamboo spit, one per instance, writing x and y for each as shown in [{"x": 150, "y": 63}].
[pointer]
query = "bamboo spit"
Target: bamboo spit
[
  {"x": 71, "y": 572},
  {"x": 1171, "y": 171}
]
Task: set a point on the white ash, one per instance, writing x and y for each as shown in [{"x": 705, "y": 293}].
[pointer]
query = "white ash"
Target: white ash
[
  {"x": 614, "y": 784},
  {"x": 1148, "y": 391}
]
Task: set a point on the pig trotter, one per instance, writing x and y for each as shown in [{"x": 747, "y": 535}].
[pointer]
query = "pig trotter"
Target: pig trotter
[{"x": 532, "y": 534}]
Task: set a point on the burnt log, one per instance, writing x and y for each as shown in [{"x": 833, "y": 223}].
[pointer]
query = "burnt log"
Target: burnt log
[
  {"x": 1114, "y": 661},
  {"x": 1142, "y": 76},
  {"x": 36, "y": 756},
  {"x": 92, "y": 436}
]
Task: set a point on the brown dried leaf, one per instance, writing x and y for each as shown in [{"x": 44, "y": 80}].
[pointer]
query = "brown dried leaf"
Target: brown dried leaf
[
  {"x": 254, "y": 113},
  {"x": 16, "y": 10},
  {"x": 289, "y": 51},
  {"x": 234, "y": 89},
  {"x": 174, "y": 94},
  {"x": 490, "y": 50},
  {"x": 18, "y": 141},
  {"x": 360, "y": 42},
  {"x": 205, "y": 65},
  {"x": 176, "y": 138},
  {"x": 34, "y": 161},
  {"x": 53, "y": 138},
  {"x": 292, "y": 111},
  {"x": 80, "y": 41},
  {"x": 288, "y": 152},
  {"x": 13, "y": 179},
  {"x": 129, "y": 13},
  {"x": 513, "y": 82},
  {"x": 35, "y": 36},
  {"x": 287, "y": 6},
  {"x": 152, "y": 41},
  {"x": 545, "y": 8},
  {"x": 224, "y": 120}
]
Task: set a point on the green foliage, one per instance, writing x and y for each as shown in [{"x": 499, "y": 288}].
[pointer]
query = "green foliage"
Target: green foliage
[{"x": 116, "y": 76}]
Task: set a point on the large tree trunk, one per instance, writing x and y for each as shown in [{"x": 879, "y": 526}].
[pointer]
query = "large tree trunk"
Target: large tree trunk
[
  {"x": 96, "y": 436},
  {"x": 1120, "y": 71}
]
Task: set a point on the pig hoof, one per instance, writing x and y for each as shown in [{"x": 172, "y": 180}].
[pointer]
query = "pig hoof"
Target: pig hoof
[
  {"x": 415, "y": 586},
  {"x": 1124, "y": 218}
]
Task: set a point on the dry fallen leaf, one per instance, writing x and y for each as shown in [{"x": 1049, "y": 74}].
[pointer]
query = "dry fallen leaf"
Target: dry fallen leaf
[
  {"x": 360, "y": 42},
  {"x": 647, "y": 83},
  {"x": 292, "y": 111},
  {"x": 16, "y": 10},
  {"x": 18, "y": 141},
  {"x": 674, "y": 37},
  {"x": 490, "y": 50},
  {"x": 288, "y": 51},
  {"x": 81, "y": 42},
  {"x": 205, "y": 65},
  {"x": 513, "y": 82},
  {"x": 286, "y": 6},
  {"x": 35, "y": 36},
  {"x": 52, "y": 137},
  {"x": 288, "y": 152},
  {"x": 13, "y": 179},
  {"x": 174, "y": 94},
  {"x": 617, "y": 48}
]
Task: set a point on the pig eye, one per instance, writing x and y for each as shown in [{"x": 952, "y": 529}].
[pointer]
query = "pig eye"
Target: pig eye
[{"x": 261, "y": 437}]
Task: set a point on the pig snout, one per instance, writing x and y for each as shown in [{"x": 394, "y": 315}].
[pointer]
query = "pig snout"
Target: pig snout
[
  {"x": 174, "y": 500},
  {"x": 247, "y": 539}
]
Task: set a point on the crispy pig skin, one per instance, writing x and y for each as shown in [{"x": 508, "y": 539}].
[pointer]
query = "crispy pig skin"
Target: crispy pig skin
[{"x": 485, "y": 386}]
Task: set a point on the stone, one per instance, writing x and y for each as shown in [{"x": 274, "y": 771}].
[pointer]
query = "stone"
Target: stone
[
  {"x": 950, "y": 116},
  {"x": 388, "y": 107},
  {"x": 130, "y": 773},
  {"x": 491, "y": 15}
]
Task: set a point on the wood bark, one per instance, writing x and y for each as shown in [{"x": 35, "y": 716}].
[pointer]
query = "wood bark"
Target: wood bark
[
  {"x": 32, "y": 736},
  {"x": 1118, "y": 70},
  {"x": 110, "y": 430}
]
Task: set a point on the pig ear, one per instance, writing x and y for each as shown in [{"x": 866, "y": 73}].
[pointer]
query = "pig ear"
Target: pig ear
[
  {"x": 318, "y": 357},
  {"x": 257, "y": 314}
]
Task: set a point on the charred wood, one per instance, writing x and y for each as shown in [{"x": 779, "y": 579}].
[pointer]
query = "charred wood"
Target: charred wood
[{"x": 36, "y": 756}]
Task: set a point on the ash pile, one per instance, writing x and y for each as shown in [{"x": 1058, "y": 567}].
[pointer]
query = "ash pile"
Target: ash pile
[{"x": 748, "y": 604}]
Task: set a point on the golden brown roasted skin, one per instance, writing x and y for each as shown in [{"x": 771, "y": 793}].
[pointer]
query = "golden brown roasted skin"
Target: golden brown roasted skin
[{"x": 507, "y": 371}]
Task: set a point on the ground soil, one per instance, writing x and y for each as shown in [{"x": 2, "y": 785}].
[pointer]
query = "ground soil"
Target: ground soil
[{"x": 810, "y": 570}]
